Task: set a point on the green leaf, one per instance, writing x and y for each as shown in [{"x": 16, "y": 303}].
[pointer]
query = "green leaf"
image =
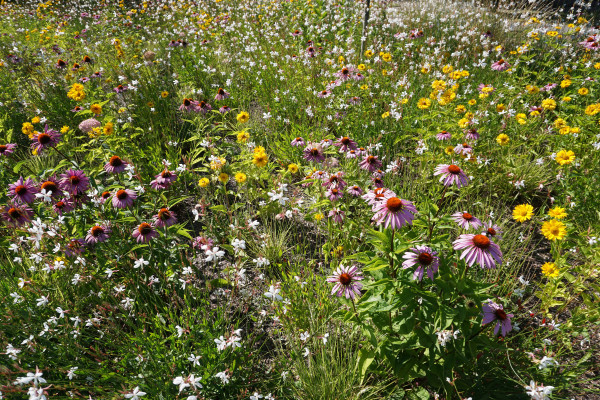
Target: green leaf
[{"x": 365, "y": 358}]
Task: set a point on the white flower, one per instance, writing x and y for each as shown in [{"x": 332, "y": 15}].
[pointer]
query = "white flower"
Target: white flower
[
  {"x": 538, "y": 392},
  {"x": 140, "y": 262},
  {"x": 181, "y": 382},
  {"x": 304, "y": 336},
  {"x": 253, "y": 224},
  {"x": 261, "y": 262},
  {"x": 46, "y": 196},
  {"x": 546, "y": 362},
  {"x": 523, "y": 281},
  {"x": 136, "y": 394},
  {"x": 256, "y": 396},
  {"x": 238, "y": 244},
  {"x": 223, "y": 377},
  {"x": 221, "y": 343},
  {"x": 195, "y": 360},
  {"x": 273, "y": 293},
  {"x": 213, "y": 254},
  {"x": 42, "y": 301},
  {"x": 306, "y": 352},
  {"x": 71, "y": 372}
]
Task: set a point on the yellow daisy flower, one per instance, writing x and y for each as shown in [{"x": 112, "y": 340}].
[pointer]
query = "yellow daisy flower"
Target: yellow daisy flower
[{"x": 523, "y": 212}]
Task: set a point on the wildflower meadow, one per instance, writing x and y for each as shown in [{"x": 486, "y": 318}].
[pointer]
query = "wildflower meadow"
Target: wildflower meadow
[{"x": 299, "y": 199}]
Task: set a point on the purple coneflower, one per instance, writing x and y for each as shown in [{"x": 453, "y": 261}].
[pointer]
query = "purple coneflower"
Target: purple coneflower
[
  {"x": 378, "y": 174},
  {"x": 50, "y": 185},
  {"x": 377, "y": 182},
  {"x": 472, "y": 134},
  {"x": 43, "y": 140},
  {"x": 97, "y": 234},
  {"x": 77, "y": 109},
  {"x": 345, "y": 144},
  {"x": 63, "y": 206},
  {"x": 297, "y": 32},
  {"x": 188, "y": 105},
  {"x": 221, "y": 94},
  {"x": 324, "y": 94},
  {"x": 298, "y": 142},
  {"x": 354, "y": 190},
  {"x": 204, "y": 107},
  {"x": 165, "y": 217},
  {"x": 492, "y": 230},
  {"x": 377, "y": 195},
  {"x": 343, "y": 74},
  {"x": 354, "y": 100},
  {"x": 480, "y": 249},
  {"x": 16, "y": 214},
  {"x": 314, "y": 152},
  {"x": 466, "y": 220},
  {"x": 115, "y": 165},
  {"x": 120, "y": 88},
  {"x": 22, "y": 190},
  {"x": 495, "y": 312},
  {"x": 451, "y": 174},
  {"x": 321, "y": 175},
  {"x": 6, "y": 149},
  {"x": 200, "y": 242},
  {"x": 425, "y": 258},
  {"x": 224, "y": 109},
  {"x": 346, "y": 282},
  {"x": 500, "y": 65},
  {"x": 337, "y": 215},
  {"x": 89, "y": 125},
  {"x": 370, "y": 163},
  {"x": 326, "y": 143},
  {"x": 144, "y": 233},
  {"x": 105, "y": 196},
  {"x": 74, "y": 181},
  {"x": 163, "y": 180},
  {"x": 352, "y": 154},
  {"x": 334, "y": 194},
  {"x": 123, "y": 198},
  {"x": 395, "y": 212},
  {"x": 336, "y": 181},
  {"x": 463, "y": 149}
]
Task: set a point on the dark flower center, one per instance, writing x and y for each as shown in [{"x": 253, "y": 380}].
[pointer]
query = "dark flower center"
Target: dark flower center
[
  {"x": 97, "y": 231},
  {"x": 74, "y": 180},
  {"x": 481, "y": 241},
  {"x": 166, "y": 174},
  {"x": 491, "y": 231},
  {"x": 3, "y": 148},
  {"x": 501, "y": 314},
  {"x": 454, "y": 169},
  {"x": 345, "y": 279},
  {"x": 314, "y": 152},
  {"x": 425, "y": 258},
  {"x": 44, "y": 138},
  {"x": 334, "y": 191},
  {"x": 467, "y": 216},
  {"x": 324, "y": 92},
  {"x": 14, "y": 213},
  {"x": 394, "y": 204},
  {"x": 87, "y": 59},
  {"x": 221, "y": 91},
  {"x": 186, "y": 102},
  {"x": 115, "y": 161},
  {"x": 164, "y": 214},
  {"x": 50, "y": 186},
  {"x": 145, "y": 228},
  {"x": 202, "y": 104},
  {"x": 60, "y": 204},
  {"x": 345, "y": 71},
  {"x": 61, "y": 63},
  {"x": 298, "y": 139},
  {"x": 122, "y": 194},
  {"x": 346, "y": 140},
  {"x": 371, "y": 159},
  {"x": 21, "y": 190}
]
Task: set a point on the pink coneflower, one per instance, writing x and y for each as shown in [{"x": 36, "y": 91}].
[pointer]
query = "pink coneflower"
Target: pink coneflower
[
  {"x": 334, "y": 194},
  {"x": 63, "y": 206},
  {"x": 347, "y": 282},
  {"x": 144, "y": 233},
  {"x": 165, "y": 217},
  {"x": 204, "y": 107},
  {"x": 163, "y": 180},
  {"x": 310, "y": 52},
  {"x": 123, "y": 198},
  {"x": 46, "y": 139},
  {"x": 352, "y": 154},
  {"x": 336, "y": 181},
  {"x": 75, "y": 247},
  {"x": 490, "y": 88},
  {"x": 77, "y": 109},
  {"x": 188, "y": 105},
  {"x": 321, "y": 175},
  {"x": 378, "y": 174},
  {"x": 377, "y": 182},
  {"x": 326, "y": 143},
  {"x": 97, "y": 234},
  {"x": 298, "y": 142},
  {"x": 354, "y": 190},
  {"x": 22, "y": 190},
  {"x": 451, "y": 174},
  {"x": 463, "y": 149},
  {"x": 115, "y": 165},
  {"x": 500, "y": 65},
  {"x": 74, "y": 181},
  {"x": 297, "y": 32},
  {"x": 466, "y": 220},
  {"x": 425, "y": 258},
  {"x": 370, "y": 163},
  {"x": 354, "y": 100},
  {"x": 16, "y": 214},
  {"x": 324, "y": 94},
  {"x": 345, "y": 144},
  {"x": 343, "y": 74},
  {"x": 89, "y": 125},
  {"x": 492, "y": 230},
  {"x": 480, "y": 249},
  {"x": 472, "y": 134},
  {"x": 120, "y": 88},
  {"x": 358, "y": 77},
  {"x": 50, "y": 185},
  {"x": 337, "y": 215},
  {"x": 200, "y": 242},
  {"x": 495, "y": 312},
  {"x": 314, "y": 152},
  {"x": 7, "y": 149},
  {"x": 394, "y": 212},
  {"x": 377, "y": 195},
  {"x": 221, "y": 94},
  {"x": 105, "y": 196},
  {"x": 224, "y": 109}
]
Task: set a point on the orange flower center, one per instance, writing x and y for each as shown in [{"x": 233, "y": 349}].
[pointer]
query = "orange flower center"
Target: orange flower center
[
  {"x": 14, "y": 213},
  {"x": 20, "y": 190},
  {"x": 454, "y": 169},
  {"x": 50, "y": 186},
  {"x": 116, "y": 161},
  {"x": 97, "y": 231},
  {"x": 164, "y": 214},
  {"x": 425, "y": 258},
  {"x": 145, "y": 228},
  {"x": 122, "y": 194},
  {"x": 44, "y": 138},
  {"x": 394, "y": 204},
  {"x": 345, "y": 279},
  {"x": 467, "y": 216},
  {"x": 481, "y": 241}
]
